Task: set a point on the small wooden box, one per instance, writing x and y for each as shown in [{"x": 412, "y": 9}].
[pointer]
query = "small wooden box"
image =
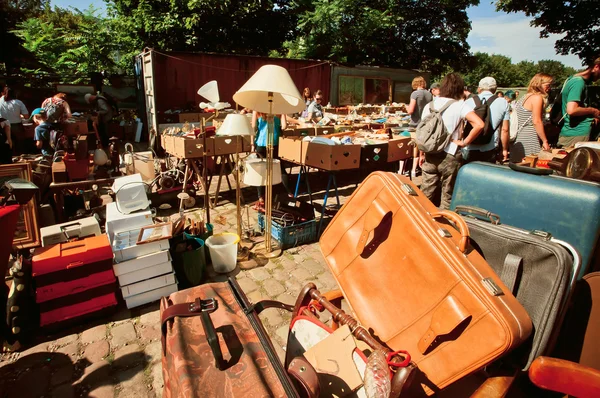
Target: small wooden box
[
  {"x": 189, "y": 148},
  {"x": 400, "y": 149},
  {"x": 333, "y": 157}
]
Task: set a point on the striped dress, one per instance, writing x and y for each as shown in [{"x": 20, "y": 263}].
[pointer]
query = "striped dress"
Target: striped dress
[{"x": 527, "y": 141}]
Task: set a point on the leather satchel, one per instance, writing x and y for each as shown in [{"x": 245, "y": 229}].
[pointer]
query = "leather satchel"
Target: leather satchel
[{"x": 410, "y": 276}]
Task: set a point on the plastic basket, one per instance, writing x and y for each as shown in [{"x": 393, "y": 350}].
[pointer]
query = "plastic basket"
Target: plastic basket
[{"x": 291, "y": 235}]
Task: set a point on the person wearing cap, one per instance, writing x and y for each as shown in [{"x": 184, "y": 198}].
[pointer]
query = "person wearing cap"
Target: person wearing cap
[
  {"x": 43, "y": 130},
  {"x": 435, "y": 90},
  {"x": 105, "y": 115},
  {"x": 499, "y": 112},
  {"x": 14, "y": 111}
]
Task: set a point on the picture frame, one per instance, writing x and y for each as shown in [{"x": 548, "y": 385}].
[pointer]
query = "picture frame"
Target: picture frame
[
  {"x": 154, "y": 232},
  {"x": 27, "y": 234}
]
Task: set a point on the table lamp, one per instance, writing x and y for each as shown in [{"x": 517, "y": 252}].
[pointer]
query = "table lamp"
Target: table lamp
[
  {"x": 271, "y": 91},
  {"x": 238, "y": 126}
]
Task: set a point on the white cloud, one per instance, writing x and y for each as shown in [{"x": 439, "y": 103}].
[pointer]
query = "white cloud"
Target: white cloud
[{"x": 512, "y": 36}]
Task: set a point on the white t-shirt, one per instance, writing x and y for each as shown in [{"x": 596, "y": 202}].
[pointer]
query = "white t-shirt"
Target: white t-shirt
[
  {"x": 453, "y": 118},
  {"x": 12, "y": 110}
]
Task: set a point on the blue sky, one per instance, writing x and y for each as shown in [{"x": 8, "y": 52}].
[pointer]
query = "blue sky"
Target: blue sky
[{"x": 492, "y": 32}]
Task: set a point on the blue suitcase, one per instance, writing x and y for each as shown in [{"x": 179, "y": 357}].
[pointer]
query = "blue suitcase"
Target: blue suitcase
[{"x": 566, "y": 208}]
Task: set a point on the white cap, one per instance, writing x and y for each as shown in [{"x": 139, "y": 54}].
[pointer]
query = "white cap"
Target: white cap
[
  {"x": 87, "y": 97},
  {"x": 487, "y": 83}
]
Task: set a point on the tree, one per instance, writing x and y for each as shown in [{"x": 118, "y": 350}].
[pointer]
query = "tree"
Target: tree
[
  {"x": 500, "y": 67},
  {"x": 555, "y": 69},
  {"x": 252, "y": 27},
  {"x": 427, "y": 35},
  {"x": 578, "y": 21}
]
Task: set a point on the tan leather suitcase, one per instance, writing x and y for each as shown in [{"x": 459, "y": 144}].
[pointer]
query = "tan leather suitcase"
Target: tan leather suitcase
[{"x": 411, "y": 278}]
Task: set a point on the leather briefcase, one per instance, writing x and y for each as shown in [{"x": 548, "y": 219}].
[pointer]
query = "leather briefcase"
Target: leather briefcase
[
  {"x": 412, "y": 279},
  {"x": 214, "y": 345}
]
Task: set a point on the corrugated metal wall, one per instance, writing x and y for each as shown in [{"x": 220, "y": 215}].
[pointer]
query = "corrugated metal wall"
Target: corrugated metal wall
[{"x": 179, "y": 75}]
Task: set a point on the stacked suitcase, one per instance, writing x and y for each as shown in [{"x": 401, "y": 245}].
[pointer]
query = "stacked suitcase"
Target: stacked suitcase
[{"x": 74, "y": 279}]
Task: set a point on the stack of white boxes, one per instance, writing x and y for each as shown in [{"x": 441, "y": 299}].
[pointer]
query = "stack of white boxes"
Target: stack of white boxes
[{"x": 144, "y": 272}]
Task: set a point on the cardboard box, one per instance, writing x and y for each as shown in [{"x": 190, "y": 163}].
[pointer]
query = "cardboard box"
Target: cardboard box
[
  {"x": 74, "y": 128},
  {"x": 400, "y": 149},
  {"x": 333, "y": 157},
  {"x": 59, "y": 172},
  {"x": 293, "y": 149},
  {"x": 189, "y": 117},
  {"x": 322, "y": 130},
  {"x": 187, "y": 148},
  {"x": 169, "y": 144},
  {"x": 226, "y": 145},
  {"x": 374, "y": 155}
]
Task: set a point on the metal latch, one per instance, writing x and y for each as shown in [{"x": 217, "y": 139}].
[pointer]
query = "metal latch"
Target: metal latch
[
  {"x": 408, "y": 189},
  {"x": 542, "y": 234},
  {"x": 444, "y": 233},
  {"x": 491, "y": 287}
]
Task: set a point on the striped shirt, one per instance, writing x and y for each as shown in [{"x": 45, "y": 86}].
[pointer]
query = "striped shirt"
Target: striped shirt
[{"x": 527, "y": 141}]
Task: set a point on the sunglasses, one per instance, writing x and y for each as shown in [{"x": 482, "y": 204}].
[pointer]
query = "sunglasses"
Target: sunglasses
[{"x": 317, "y": 99}]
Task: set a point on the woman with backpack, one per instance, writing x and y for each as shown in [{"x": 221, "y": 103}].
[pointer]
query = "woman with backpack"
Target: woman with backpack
[
  {"x": 440, "y": 165},
  {"x": 57, "y": 108},
  {"x": 530, "y": 114}
]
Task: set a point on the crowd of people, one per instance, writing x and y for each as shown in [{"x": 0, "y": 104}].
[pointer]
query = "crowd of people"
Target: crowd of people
[
  {"x": 47, "y": 119},
  {"x": 460, "y": 112}
]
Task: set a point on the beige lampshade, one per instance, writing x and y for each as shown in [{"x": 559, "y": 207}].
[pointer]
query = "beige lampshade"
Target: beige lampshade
[
  {"x": 255, "y": 172},
  {"x": 235, "y": 124},
  {"x": 210, "y": 91},
  {"x": 274, "y": 79}
]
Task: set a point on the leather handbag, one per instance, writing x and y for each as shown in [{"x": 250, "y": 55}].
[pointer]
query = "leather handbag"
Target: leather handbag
[
  {"x": 410, "y": 276},
  {"x": 214, "y": 345}
]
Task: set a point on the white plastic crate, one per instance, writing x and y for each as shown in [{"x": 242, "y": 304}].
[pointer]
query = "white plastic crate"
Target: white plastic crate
[
  {"x": 148, "y": 297},
  {"x": 148, "y": 285}
]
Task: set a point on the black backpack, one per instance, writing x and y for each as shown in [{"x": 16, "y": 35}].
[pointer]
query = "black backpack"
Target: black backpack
[
  {"x": 482, "y": 109},
  {"x": 557, "y": 118}
]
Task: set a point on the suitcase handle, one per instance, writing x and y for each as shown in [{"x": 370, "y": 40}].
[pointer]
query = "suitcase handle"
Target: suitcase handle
[
  {"x": 460, "y": 224},
  {"x": 530, "y": 170},
  {"x": 466, "y": 210}
]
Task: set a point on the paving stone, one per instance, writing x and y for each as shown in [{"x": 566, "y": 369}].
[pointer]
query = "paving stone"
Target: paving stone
[
  {"x": 286, "y": 299},
  {"x": 43, "y": 347},
  {"x": 97, "y": 351},
  {"x": 272, "y": 317},
  {"x": 133, "y": 383},
  {"x": 293, "y": 286},
  {"x": 94, "y": 334},
  {"x": 281, "y": 275},
  {"x": 313, "y": 267},
  {"x": 326, "y": 280},
  {"x": 64, "y": 391},
  {"x": 154, "y": 351},
  {"x": 95, "y": 375},
  {"x": 33, "y": 383},
  {"x": 247, "y": 285},
  {"x": 259, "y": 274},
  {"x": 282, "y": 334},
  {"x": 123, "y": 316},
  {"x": 63, "y": 374},
  {"x": 150, "y": 333},
  {"x": 106, "y": 391},
  {"x": 288, "y": 264},
  {"x": 151, "y": 318},
  {"x": 71, "y": 350},
  {"x": 66, "y": 340},
  {"x": 157, "y": 379},
  {"x": 280, "y": 352},
  {"x": 128, "y": 356},
  {"x": 272, "y": 287},
  {"x": 123, "y": 334},
  {"x": 257, "y": 296},
  {"x": 301, "y": 274}
]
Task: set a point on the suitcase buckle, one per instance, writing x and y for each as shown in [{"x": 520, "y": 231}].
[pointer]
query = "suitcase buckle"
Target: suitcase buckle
[
  {"x": 208, "y": 305},
  {"x": 408, "y": 189},
  {"x": 492, "y": 287},
  {"x": 542, "y": 234}
]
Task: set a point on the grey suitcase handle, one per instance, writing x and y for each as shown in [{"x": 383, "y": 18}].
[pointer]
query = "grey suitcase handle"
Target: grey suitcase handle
[
  {"x": 466, "y": 210},
  {"x": 530, "y": 170}
]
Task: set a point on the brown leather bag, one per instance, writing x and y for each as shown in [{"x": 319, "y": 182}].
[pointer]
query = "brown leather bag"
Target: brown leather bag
[{"x": 411, "y": 277}]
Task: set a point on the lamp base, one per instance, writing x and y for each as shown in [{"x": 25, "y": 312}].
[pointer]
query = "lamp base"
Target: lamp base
[{"x": 261, "y": 250}]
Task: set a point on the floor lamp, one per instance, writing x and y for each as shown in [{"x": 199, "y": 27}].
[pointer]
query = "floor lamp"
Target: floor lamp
[
  {"x": 237, "y": 126},
  {"x": 270, "y": 91}
]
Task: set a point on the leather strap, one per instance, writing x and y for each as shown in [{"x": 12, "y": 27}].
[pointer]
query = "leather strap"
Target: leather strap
[
  {"x": 306, "y": 376},
  {"x": 448, "y": 315},
  {"x": 264, "y": 304},
  {"x": 510, "y": 272}
]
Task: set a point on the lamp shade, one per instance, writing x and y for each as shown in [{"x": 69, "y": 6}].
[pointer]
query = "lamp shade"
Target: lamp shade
[
  {"x": 275, "y": 79},
  {"x": 235, "y": 124},
  {"x": 210, "y": 91},
  {"x": 255, "y": 172}
]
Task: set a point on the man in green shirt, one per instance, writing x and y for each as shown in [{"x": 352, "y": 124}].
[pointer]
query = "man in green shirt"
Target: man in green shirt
[{"x": 578, "y": 117}]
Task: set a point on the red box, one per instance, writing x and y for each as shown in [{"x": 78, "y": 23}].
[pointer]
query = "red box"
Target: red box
[
  {"x": 79, "y": 309},
  {"x": 71, "y": 268},
  {"x": 77, "y": 169}
]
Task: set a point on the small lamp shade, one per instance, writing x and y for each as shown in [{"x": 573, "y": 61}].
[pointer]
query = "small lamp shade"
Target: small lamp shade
[
  {"x": 275, "y": 79},
  {"x": 210, "y": 91},
  {"x": 235, "y": 124},
  {"x": 256, "y": 172}
]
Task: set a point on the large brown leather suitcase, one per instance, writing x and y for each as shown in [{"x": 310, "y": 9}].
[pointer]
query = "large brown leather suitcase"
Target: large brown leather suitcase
[
  {"x": 411, "y": 278},
  {"x": 214, "y": 345}
]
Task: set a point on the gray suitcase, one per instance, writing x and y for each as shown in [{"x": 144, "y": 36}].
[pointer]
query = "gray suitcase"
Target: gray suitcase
[{"x": 541, "y": 272}]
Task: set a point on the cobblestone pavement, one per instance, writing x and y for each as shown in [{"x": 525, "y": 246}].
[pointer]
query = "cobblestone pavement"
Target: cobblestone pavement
[{"x": 119, "y": 356}]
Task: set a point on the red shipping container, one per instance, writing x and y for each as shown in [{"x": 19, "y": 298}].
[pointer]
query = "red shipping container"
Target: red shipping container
[{"x": 70, "y": 268}]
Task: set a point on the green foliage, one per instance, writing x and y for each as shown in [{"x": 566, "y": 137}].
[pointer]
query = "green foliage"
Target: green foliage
[
  {"x": 506, "y": 73},
  {"x": 427, "y": 35},
  {"x": 577, "y": 20}
]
